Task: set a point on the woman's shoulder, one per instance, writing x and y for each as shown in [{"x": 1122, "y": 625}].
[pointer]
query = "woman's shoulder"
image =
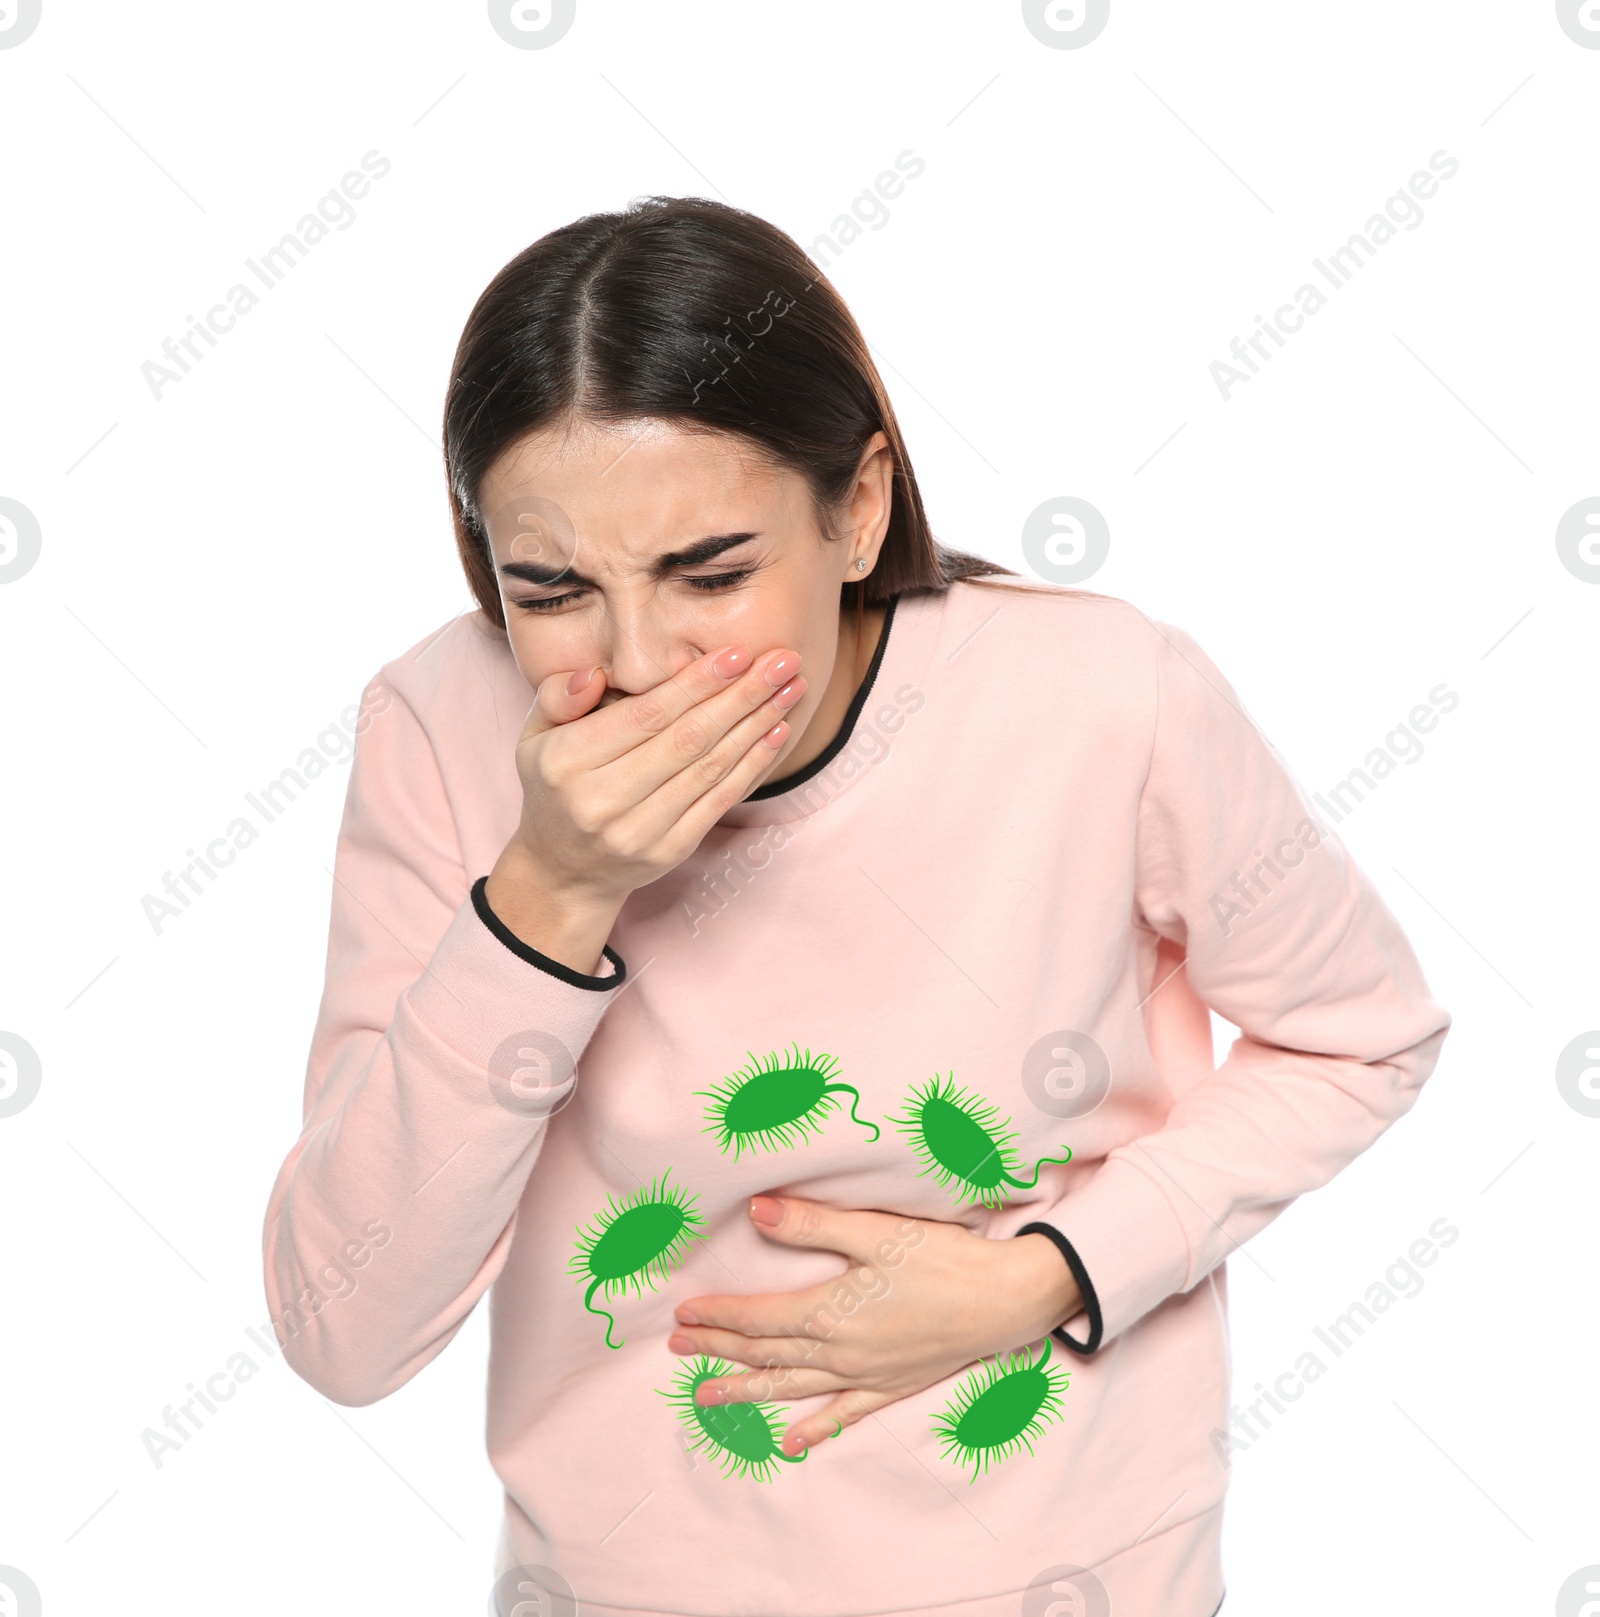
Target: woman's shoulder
[
  {"x": 462, "y": 687},
  {"x": 1048, "y": 628},
  {"x": 438, "y": 748},
  {"x": 464, "y": 663}
]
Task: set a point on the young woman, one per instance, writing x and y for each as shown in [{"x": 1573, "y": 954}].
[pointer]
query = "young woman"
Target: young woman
[{"x": 772, "y": 952}]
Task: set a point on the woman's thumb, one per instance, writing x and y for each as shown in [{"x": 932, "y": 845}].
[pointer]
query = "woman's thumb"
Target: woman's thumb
[{"x": 562, "y": 697}]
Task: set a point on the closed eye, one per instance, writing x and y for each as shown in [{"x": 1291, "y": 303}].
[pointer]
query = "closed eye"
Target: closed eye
[{"x": 707, "y": 582}]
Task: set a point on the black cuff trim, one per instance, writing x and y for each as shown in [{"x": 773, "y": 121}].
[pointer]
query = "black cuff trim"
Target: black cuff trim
[
  {"x": 526, "y": 951},
  {"x": 1091, "y": 1301}
]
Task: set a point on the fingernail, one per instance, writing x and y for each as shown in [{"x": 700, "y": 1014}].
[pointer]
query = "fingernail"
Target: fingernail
[
  {"x": 783, "y": 670},
  {"x": 777, "y": 735},
  {"x": 766, "y": 1210},
  {"x": 729, "y": 662},
  {"x": 687, "y": 1316},
  {"x": 579, "y": 681},
  {"x": 791, "y": 693}
]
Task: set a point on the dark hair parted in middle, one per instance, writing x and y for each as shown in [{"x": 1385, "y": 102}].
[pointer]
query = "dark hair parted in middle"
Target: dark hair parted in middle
[{"x": 690, "y": 311}]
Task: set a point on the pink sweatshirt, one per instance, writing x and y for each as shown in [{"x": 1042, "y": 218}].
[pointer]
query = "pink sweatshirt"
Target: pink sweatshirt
[{"x": 905, "y": 978}]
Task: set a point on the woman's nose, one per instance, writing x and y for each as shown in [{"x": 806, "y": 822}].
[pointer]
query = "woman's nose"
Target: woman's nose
[{"x": 640, "y": 658}]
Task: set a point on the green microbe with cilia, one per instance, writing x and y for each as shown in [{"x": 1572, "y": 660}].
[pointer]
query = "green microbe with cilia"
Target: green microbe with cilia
[
  {"x": 962, "y": 1138},
  {"x": 635, "y": 1242},
  {"x": 777, "y": 1101},
  {"x": 1000, "y": 1409},
  {"x": 742, "y": 1438}
]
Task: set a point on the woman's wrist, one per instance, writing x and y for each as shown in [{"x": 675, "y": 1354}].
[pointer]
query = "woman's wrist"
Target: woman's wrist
[
  {"x": 1043, "y": 1289},
  {"x": 569, "y": 924}
]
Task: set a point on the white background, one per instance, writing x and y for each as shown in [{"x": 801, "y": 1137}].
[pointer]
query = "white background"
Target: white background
[{"x": 223, "y": 570}]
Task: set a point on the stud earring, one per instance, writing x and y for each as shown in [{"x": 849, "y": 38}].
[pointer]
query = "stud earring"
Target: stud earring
[{"x": 861, "y": 564}]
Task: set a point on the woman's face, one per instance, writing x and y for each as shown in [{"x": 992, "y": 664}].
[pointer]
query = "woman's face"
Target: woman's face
[{"x": 642, "y": 547}]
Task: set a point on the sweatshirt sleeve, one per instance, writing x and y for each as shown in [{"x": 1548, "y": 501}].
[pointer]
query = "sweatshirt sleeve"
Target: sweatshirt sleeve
[
  {"x": 441, "y": 1047},
  {"x": 1288, "y": 940}
]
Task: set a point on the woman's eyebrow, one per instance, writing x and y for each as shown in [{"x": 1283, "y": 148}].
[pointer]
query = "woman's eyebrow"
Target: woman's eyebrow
[{"x": 701, "y": 550}]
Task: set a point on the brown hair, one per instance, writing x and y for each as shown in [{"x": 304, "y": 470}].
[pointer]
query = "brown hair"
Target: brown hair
[{"x": 683, "y": 309}]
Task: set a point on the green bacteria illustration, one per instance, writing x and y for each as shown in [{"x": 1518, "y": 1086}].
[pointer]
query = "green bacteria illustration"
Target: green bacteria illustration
[
  {"x": 1000, "y": 1409},
  {"x": 743, "y": 1438},
  {"x": 961, "y": 1137},
  {"x": 778, "y": 1101},
  {"x": 635, "y": 1243}
]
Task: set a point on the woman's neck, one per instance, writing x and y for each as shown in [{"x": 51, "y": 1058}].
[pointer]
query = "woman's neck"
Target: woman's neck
[{"x": 850, "y": 665}]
